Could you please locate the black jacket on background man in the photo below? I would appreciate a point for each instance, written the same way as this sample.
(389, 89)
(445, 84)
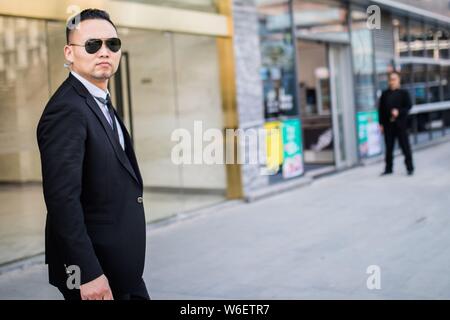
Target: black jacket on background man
(395, 128)
(398, 99)
(93, 193)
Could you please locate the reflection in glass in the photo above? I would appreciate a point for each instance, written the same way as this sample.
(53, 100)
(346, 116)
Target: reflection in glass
(406, 74)
(279, 84)
(277, 59)
(362, 47)
(199, 101)
(434, 81)
(320, 20)
(153, 113)
(23, 95)
(56, 40)
(420, 84)
(443, 43)
(431, 41)
(401, 36)
(417, 43)
(445, 81)
(314, 79)
(174, 82)
(315, 95)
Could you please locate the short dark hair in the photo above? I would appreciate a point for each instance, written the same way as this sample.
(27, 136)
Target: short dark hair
(395, 72)
(87, 14)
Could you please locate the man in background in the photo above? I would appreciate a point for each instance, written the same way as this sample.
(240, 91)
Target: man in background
(394, 106)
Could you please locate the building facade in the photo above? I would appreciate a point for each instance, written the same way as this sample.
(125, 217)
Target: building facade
(332, 59)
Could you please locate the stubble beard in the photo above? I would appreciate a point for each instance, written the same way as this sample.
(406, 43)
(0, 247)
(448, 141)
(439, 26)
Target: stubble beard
(103, 76)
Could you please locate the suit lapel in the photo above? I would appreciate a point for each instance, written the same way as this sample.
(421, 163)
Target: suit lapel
(129, 150)
(120, 154)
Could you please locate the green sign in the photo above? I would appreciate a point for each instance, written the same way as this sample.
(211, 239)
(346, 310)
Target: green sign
(292, 148)
(369, 135)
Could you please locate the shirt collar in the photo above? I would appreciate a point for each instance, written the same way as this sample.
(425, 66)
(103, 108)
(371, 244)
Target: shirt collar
(93, 89)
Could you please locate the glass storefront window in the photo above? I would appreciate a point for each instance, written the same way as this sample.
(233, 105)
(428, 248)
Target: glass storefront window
(422, 39)
(322, 20)
(434, 81)
(363, 56)
(431, 41)
(417, 39)
(23, 94)
(420, 83)
(174, 82)
(401, 37)
(323, 48)
(199, 100)
(316, 103)
(153, 112)
(279, 84)
(277, 59)
(56, 40)
(443, 43)
(314, 78)
(426, 82)
(445, 81)
(406, 73)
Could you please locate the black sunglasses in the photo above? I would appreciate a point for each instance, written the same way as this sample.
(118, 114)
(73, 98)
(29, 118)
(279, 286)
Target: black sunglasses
(93, 45)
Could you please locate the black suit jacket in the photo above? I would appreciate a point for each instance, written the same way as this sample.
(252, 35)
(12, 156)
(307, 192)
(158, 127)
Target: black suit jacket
(390, 99)
(93, 192)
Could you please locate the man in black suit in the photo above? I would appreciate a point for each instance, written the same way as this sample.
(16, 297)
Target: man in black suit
(91, 180)
(394, 106)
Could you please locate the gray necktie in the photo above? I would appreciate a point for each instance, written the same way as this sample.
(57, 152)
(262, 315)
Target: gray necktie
(108, 104)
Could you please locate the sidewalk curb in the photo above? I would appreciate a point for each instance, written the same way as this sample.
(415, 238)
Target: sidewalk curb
(22, 264)
(191, 214)
(39, 259)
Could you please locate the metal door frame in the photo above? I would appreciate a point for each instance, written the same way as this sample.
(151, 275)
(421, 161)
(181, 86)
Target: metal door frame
(339, 58)
(120, 87)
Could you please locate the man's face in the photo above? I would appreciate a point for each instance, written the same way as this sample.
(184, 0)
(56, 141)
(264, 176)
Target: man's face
(394, 81)
(100, 65)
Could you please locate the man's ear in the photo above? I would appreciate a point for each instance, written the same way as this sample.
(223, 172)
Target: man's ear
(68, 54)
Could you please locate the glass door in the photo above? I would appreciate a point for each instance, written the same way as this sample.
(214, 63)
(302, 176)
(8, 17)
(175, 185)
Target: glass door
(169, 83)
(23, 95)
(144, 94)
(120, 89)
(343, 109)
(315, 105)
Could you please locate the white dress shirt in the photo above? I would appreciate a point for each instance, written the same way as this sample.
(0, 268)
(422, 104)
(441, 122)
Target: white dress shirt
(97, 92)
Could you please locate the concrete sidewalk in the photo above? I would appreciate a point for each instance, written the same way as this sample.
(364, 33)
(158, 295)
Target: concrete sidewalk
(311, 242)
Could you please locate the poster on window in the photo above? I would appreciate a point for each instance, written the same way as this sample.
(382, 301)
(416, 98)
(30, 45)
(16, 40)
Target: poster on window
(292, 148)
(369, 135)
(274, 146)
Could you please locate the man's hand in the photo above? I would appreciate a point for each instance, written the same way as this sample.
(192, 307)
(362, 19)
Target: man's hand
(381, 128)
(394, 113)
(97, 289)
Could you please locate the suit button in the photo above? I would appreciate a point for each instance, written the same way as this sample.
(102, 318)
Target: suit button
(140, 200)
